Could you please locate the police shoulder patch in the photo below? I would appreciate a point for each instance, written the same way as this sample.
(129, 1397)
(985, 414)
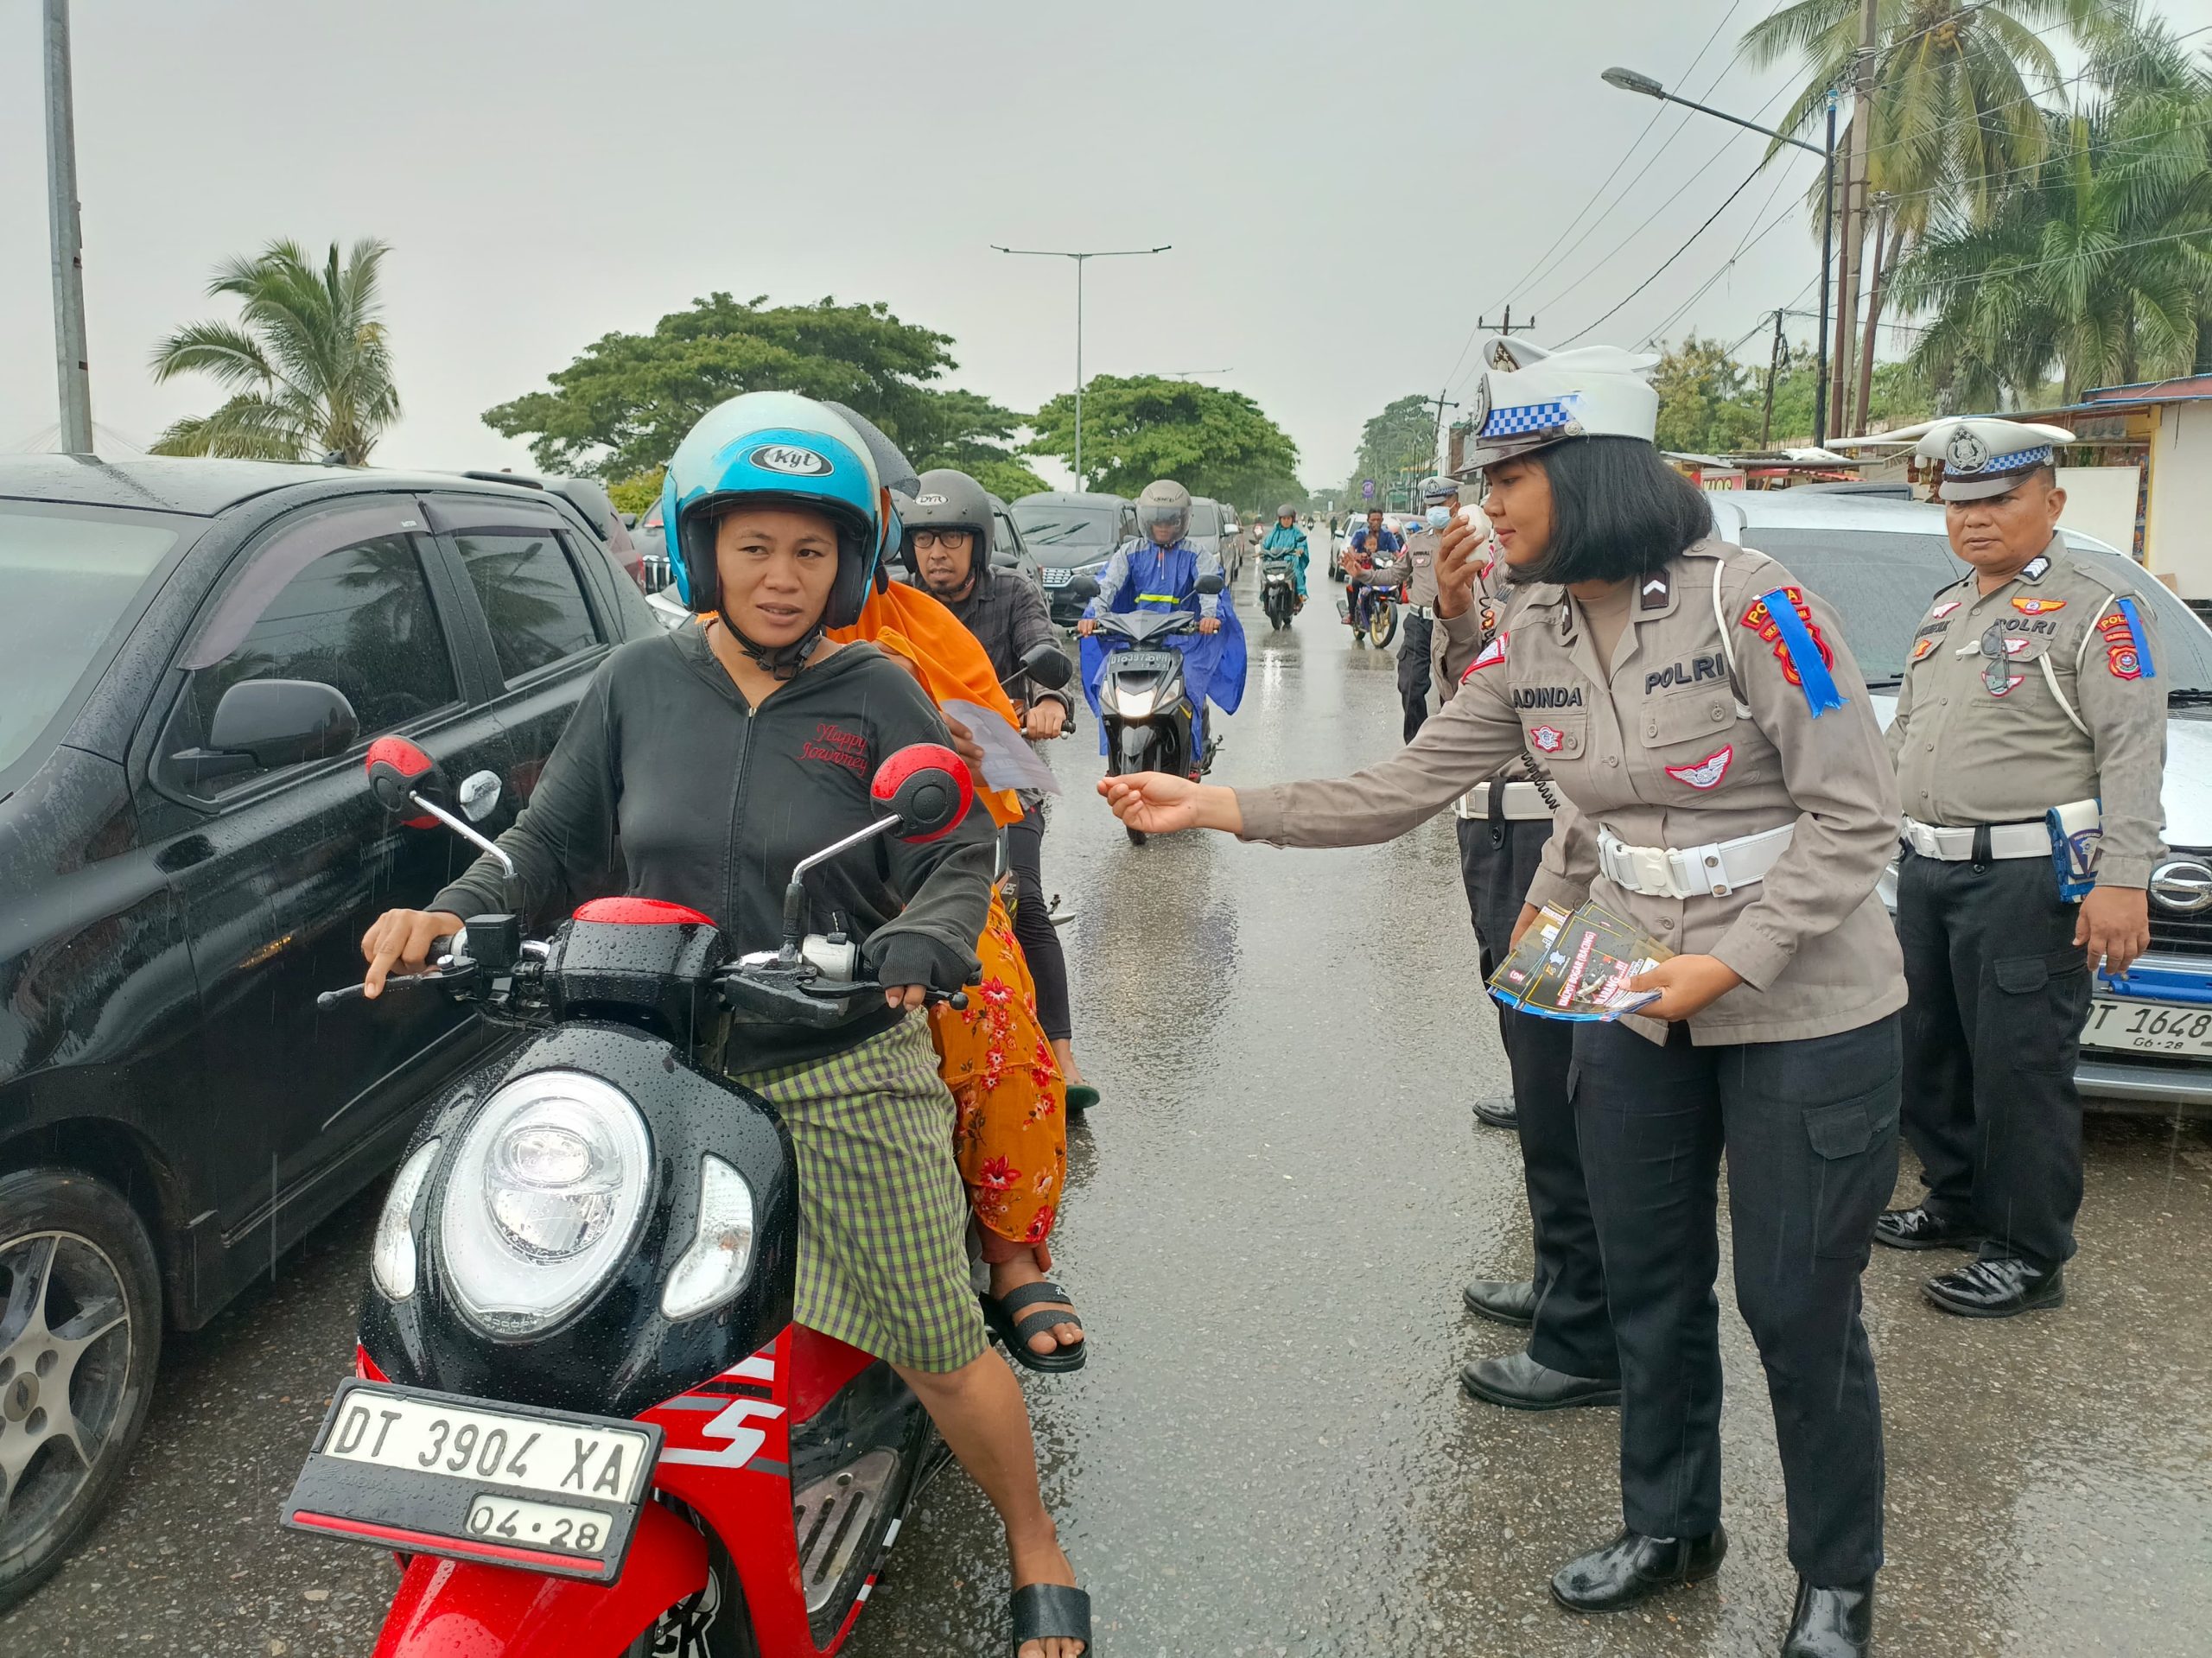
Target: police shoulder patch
(1493, 653)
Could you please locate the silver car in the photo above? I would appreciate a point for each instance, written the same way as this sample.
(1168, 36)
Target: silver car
(1878, 561)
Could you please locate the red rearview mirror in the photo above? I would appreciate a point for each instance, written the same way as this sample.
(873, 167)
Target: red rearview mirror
(927, 788)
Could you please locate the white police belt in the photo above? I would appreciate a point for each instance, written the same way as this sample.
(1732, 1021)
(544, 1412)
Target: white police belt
(1714, 869)
(1523, 803)
(1956, 845)
(1426, 613)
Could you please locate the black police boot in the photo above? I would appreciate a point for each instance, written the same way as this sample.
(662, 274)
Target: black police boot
(1503, 1301)
(1498, 1111)
(1922, 1228)
(1634, 1567)
(1998, 1289)
(1831, 1623)
(1518, 1382)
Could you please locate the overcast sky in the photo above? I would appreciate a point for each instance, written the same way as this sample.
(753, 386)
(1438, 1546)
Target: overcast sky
(1347, 187)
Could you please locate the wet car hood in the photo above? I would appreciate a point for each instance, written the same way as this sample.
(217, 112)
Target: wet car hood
(2188, 792)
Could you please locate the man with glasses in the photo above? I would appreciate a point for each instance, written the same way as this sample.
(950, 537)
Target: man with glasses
(2030, 744)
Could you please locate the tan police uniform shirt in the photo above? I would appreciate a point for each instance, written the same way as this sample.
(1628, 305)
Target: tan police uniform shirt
(1975, 742)
(1420, 568)
(1656, 746)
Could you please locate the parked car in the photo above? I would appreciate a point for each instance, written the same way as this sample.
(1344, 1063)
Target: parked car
(1072, 534)
(594, 505)
(1208, 533)
(194, 657)
(1878, 562)
(1008, 550)
(652, 549)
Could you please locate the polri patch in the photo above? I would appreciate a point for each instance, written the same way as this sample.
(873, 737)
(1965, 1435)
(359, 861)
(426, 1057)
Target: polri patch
(2038, 607)
(1763, 622)
(1550, 739)
(1708, 772)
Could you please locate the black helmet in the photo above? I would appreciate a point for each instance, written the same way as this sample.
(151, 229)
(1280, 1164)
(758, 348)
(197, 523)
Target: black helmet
(945, 499)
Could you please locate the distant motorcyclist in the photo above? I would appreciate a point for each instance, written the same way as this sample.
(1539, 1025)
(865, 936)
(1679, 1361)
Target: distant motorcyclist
(1372, 559)
(1287, 538)
(1161, 571)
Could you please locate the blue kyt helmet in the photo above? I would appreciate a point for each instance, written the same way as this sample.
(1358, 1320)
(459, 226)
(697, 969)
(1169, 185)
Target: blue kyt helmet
(776, 448)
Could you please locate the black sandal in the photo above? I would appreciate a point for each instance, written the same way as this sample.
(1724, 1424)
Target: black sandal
(1050, 1612)
(1000, 1314)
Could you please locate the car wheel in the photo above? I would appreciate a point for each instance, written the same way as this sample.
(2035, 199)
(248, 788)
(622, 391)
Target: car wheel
(80, 1334)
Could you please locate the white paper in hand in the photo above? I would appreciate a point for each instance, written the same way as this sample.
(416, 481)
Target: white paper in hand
(1008, 761)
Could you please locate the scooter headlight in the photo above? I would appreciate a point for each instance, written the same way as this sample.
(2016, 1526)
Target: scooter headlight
(391, 1260)
(1132, 704)
(545, 1194)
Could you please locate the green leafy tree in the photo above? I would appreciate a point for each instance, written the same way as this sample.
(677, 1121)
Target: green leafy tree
(307, 363)
(637, 494)
(622, 407)
(2097, 268)
(1709, 403)
(1398, 441)
(1217, 443)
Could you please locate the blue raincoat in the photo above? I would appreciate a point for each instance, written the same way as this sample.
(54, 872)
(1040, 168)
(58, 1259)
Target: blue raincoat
(1213, 663)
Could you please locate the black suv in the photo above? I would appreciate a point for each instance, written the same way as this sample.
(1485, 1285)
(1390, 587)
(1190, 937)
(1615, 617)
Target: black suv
(194, 656)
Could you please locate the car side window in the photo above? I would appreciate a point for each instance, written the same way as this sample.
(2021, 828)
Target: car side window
(1004, 540)
(531, 596)
(359, 618)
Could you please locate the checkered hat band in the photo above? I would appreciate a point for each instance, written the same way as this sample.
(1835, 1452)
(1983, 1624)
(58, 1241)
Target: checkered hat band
(2020, 460)
(1528, 418)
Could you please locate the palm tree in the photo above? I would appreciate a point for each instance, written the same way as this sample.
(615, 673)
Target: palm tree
(2097, 265)
(1954, 118)
(308, 363)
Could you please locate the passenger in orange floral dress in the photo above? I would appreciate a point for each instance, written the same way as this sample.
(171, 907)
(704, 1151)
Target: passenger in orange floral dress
(1011, 1136)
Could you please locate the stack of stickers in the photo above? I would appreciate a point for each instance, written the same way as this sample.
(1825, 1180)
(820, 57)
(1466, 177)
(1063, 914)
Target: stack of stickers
(1578, 967)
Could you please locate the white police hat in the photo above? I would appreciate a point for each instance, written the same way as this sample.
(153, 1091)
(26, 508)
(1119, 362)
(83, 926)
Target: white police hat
(1528, 398)
(1984, 457)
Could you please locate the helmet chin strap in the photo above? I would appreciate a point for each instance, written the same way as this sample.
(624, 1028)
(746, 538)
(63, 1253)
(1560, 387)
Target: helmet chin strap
(780, 661)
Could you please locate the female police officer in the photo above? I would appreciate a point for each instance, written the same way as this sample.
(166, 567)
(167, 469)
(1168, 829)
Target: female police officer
(1724, 785)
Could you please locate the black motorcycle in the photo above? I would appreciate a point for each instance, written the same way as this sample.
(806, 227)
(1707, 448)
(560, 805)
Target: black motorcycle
(1279, 588)
(1144, 698)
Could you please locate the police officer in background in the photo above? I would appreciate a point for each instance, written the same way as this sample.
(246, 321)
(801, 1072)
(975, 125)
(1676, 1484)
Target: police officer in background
(1723, 787)
(2031, 697)
(1503, 823)
(1417, 619)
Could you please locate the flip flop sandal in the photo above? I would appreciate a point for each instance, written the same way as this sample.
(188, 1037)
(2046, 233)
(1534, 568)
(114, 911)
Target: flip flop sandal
(1050, 1612)
(1082, 1096)
(1001, 1314)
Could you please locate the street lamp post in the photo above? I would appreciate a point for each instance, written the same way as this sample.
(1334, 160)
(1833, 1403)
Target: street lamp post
(69, 351)
(1630, 81)
(1098, 253)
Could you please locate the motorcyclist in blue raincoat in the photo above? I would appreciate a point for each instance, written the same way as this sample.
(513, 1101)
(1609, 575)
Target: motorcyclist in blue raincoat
(1288, 538)
(1160, 571)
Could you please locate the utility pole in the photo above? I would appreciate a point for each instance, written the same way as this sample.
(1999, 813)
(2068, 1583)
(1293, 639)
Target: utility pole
(1854, 218)
(1506, 329)
(1775, 360)
(1080, 259)
(1436, 433)
(69, 351)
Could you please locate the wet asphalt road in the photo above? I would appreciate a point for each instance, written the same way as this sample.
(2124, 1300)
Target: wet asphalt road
(1270, 1220)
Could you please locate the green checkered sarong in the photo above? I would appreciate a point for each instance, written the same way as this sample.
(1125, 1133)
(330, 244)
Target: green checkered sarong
(882, 1216)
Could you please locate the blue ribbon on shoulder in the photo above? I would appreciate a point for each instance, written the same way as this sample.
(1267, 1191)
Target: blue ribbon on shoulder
(2135, 621)
(1813, 674)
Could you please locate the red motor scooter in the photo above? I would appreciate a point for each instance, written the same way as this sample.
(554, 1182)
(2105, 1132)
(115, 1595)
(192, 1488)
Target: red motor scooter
(581, 1415)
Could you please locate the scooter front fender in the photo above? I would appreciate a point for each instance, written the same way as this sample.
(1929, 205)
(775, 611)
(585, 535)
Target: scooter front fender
(458, 1609)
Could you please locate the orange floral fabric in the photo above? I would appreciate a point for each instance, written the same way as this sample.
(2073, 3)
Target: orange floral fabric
(1010, 1134)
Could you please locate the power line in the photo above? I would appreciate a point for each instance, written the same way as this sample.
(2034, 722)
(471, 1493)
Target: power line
(1671, 257)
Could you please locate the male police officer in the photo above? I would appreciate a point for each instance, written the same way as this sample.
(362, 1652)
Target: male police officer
(1417, 625)
(2030, 742)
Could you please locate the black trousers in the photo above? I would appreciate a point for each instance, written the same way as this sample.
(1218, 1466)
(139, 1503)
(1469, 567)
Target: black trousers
(1032, 928)
(1572, 1332)
(1810, 1131)
(1993, 1033)
(1414, 634)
